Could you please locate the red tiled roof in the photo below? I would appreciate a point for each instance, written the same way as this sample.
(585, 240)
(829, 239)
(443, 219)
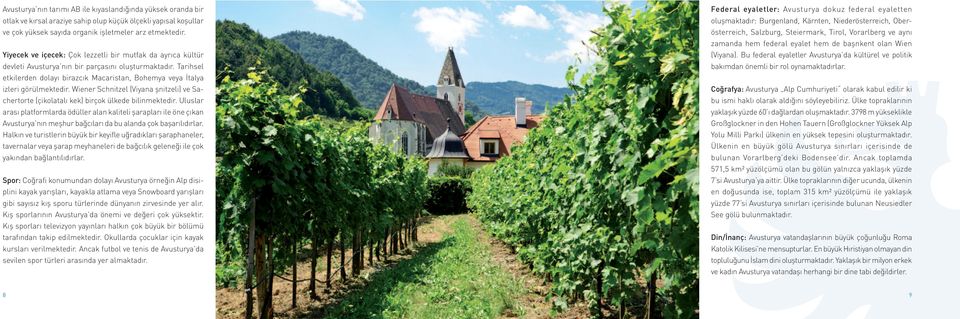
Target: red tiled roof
(489, 134)
(506, 130)
(430, 111)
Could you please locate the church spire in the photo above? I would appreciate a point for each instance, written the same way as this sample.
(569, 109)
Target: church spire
(450, 73)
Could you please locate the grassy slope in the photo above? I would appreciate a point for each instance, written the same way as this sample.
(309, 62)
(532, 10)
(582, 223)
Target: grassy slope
(453, 278)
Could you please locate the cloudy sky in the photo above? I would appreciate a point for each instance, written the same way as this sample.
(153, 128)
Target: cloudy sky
(527, 41)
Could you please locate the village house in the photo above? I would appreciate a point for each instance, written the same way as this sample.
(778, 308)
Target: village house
(492, 137)
(433, 126)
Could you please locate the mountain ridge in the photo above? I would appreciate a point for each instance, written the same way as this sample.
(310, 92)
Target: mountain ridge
(497, 98)
(239, 48)
(366, 78)
(369, 81)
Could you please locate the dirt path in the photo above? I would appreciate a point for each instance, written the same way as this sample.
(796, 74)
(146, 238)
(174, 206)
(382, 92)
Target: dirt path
(534, 302)
(231, 301)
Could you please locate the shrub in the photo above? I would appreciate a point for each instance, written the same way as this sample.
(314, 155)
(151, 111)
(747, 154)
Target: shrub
(448, 195)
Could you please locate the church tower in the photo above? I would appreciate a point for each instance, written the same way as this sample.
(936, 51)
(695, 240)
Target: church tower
(450, 85)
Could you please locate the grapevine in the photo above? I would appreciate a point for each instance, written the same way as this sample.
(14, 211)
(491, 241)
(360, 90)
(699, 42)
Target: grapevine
(602, 198)
(284, 180)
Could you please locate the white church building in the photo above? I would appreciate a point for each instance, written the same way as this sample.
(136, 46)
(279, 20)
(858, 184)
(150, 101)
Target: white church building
(410, 122)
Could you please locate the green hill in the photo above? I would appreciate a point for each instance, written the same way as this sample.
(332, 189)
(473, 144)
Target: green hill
(368, 80)
(239, 47)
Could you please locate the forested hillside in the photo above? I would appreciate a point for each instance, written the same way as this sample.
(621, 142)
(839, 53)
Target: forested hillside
(239, 47)
(368, 80)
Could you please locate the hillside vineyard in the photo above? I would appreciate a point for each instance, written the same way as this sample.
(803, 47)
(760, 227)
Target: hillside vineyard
(602, 198)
